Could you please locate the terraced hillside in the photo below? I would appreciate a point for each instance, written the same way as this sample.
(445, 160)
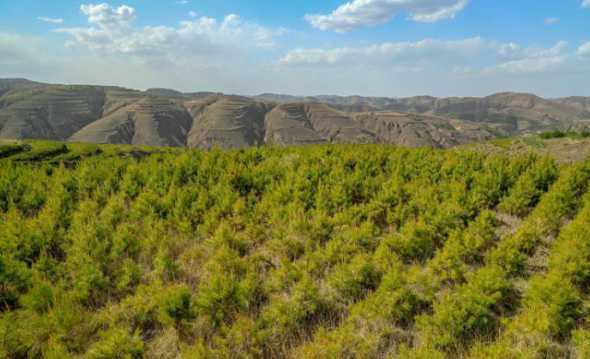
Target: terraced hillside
(345, 251)
(150, 121)
(509, 112)
(55, 113)
(156, 117)
(226, 122)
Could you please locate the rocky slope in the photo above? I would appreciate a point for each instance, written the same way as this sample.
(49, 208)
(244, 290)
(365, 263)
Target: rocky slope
(164, 117)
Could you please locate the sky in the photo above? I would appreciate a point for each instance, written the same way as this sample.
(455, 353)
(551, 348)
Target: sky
(392, 48)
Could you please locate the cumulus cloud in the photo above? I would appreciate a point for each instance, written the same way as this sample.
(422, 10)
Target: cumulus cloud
(112, 30)
(50, 20)
(106, 17)
(362, 13)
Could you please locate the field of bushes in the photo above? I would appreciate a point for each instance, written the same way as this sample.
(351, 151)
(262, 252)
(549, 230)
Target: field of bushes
(305, 252)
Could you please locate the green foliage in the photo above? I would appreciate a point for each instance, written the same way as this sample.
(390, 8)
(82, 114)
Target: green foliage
(14, 280)
(468, 312)
(561, 134)
(117, 343)
(42, 151)
(12, 149)
(528, 189)
(330, 251)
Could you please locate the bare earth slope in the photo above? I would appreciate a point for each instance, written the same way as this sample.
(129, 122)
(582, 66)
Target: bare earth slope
(150, 121)
(290, 124)
(54, 112)
(227, 122)
(165, 117)
(508, 111)
(15, 84)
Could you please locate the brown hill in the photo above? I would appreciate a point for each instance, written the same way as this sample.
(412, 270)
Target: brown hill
(167, 117)
(50, 112)
(289, 124)
(509, 112)
(15, 84)
(226, 122)
(150, 121)
(413, 130)
(581, 103)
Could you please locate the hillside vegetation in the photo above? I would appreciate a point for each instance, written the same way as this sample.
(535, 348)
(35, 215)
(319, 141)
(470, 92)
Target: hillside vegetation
(350, 251)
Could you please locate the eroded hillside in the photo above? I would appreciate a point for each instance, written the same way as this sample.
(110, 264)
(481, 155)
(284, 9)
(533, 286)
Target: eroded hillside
(163, 117)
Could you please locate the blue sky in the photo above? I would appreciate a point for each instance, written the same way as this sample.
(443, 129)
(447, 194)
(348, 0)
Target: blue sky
(368, 47)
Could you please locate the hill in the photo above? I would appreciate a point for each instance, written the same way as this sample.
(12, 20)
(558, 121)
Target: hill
(365, 251)
(98, 114)
(513, 112)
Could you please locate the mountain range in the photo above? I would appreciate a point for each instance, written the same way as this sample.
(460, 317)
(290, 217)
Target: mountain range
(165, 117)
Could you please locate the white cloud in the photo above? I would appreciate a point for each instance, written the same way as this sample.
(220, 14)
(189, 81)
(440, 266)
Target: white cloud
(50, 20)
(552, 20)
(399, 53)
(193, 14)
(476, 54)
(106, 17)
(535, 60)
(531, 65)
(233, 55)
(584, 50)
(362, 13)
(586, 3)
(112, 31)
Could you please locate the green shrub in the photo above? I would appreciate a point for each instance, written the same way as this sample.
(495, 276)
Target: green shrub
(321, 251)
(15, 279)
(353, 280)
(469, 312)
(117, 343)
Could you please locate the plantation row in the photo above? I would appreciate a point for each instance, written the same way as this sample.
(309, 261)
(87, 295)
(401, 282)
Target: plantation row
(319, 252)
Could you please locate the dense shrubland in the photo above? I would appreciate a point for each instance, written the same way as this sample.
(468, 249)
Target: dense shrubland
(342, 251)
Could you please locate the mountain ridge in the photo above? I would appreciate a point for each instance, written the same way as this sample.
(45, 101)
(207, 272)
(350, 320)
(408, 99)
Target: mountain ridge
(166, 117)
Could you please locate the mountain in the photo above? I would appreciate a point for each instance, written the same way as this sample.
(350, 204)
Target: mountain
(510, 111)
(581, 103)
(226, 121)
(50, 112)
(166, 117)
(152, 121)
(14, 84)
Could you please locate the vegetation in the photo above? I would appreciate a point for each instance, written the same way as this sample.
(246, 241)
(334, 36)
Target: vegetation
(323, 251)
(562, 134)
